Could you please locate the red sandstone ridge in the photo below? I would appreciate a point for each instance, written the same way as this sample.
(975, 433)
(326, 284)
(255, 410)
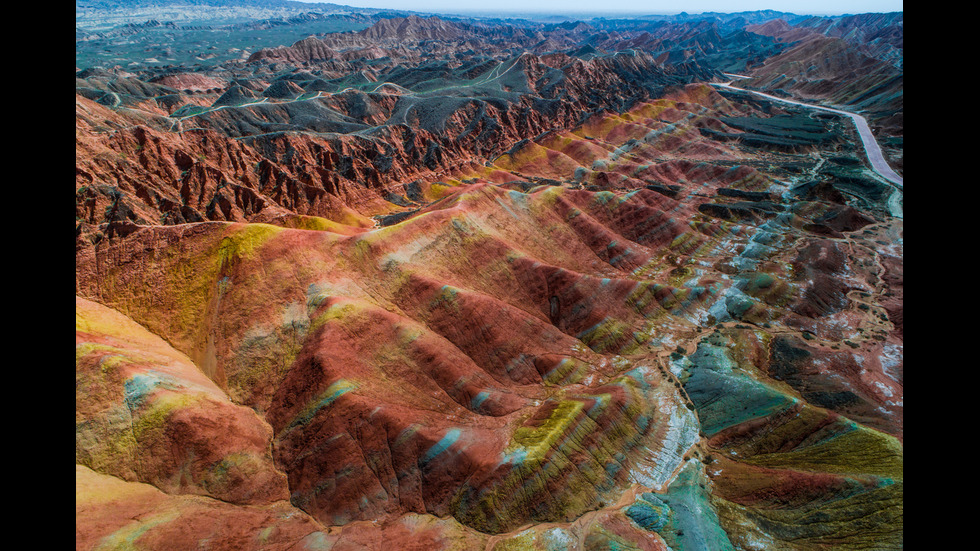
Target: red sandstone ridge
(110, 510)
(434, 365)
(821, 58)
(146, 413)
(308, 49)
(147, 174)
(412, 27)
(192, 82)
(823, 68)
(781, 31)
(370, 43)
(432, 415)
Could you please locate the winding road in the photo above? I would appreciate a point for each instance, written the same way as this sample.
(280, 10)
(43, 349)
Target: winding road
(871, 146)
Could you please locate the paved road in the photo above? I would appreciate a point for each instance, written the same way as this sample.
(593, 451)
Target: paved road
(871, 146)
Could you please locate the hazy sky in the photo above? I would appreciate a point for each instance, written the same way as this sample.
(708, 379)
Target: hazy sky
(820, 7)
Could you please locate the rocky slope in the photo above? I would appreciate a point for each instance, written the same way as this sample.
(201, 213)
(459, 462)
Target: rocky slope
(248, 158)
(494, 298)
(855, 62)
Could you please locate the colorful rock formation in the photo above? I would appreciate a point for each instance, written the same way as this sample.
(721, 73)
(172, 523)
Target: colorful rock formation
(465, 322)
